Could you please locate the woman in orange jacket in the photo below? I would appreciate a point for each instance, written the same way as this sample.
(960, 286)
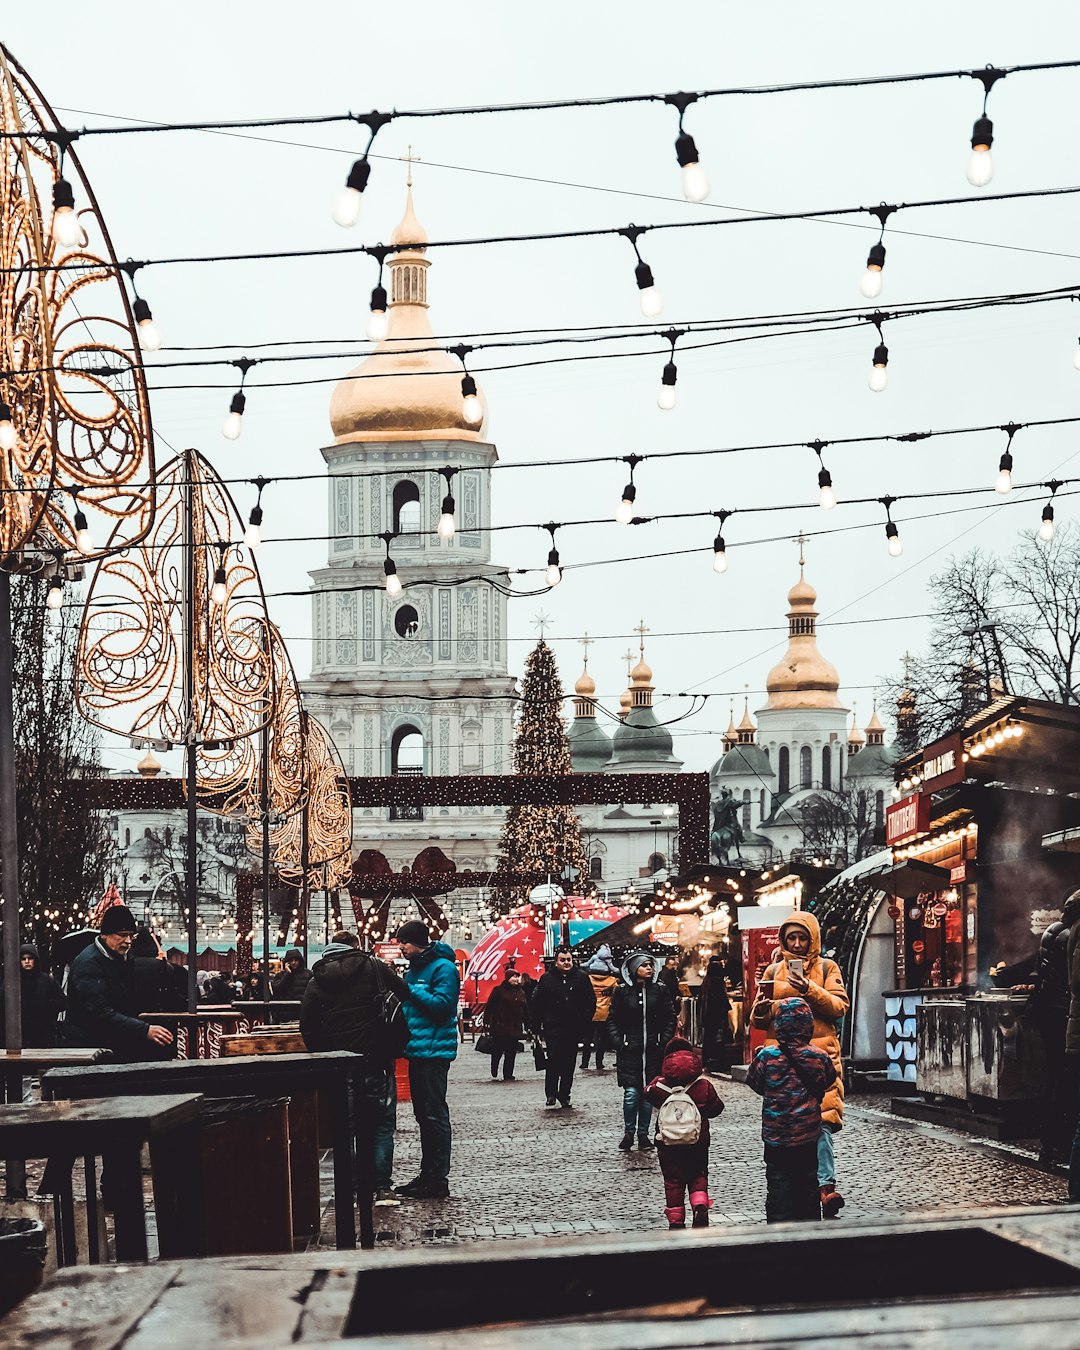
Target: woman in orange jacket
(802, 972)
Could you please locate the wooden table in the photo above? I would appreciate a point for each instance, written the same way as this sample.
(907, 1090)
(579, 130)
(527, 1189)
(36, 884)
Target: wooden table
(303, 1078)
(1001, 1279)
(114, 1130)
(13, 1068)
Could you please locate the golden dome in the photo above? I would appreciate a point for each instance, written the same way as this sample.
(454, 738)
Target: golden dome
(855, 736)
(626, 702)
(803, 678)
(875, 723)
(149, 766)
(586, 685)
(641, 675)
(406, 389)
(747, 723)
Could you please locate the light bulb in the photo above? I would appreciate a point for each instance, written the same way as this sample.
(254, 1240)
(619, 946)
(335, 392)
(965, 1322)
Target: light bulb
(393, 581)
(624, 512)
(695, 185)
(553, 575)
(892, 534)
(826, 495)
(84, 540)
(54, 598)
(445, 527)
(472, 410)
(347, 206)
(66, 229)
(719, 561)
(233, 424)
(1004, 482)
(665, 399)
(980, 168)
(218, 591)
(652, 302)
(879, 379)
(149, 337)
(1046, 529)
(378, 323)
(253, 533)
(870, 286)
(8, 435)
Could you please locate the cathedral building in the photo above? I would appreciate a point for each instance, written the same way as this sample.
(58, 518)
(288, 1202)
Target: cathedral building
(802, 784)
(412, 680)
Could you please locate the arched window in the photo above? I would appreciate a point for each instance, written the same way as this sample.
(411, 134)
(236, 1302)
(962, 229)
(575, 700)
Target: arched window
(783, 776)
(596, 868)
(806, 767)
(406, 507)
(407, 751)
(127, 838)
(406, 621)
(826, 768)
(656, 863)
(746, 809)
(879, 810)
(761, 804)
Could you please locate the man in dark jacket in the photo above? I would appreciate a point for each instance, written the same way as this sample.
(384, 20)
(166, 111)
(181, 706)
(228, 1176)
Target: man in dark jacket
(42, 1001)
(562, 1011)
(642, 1023)
(290, 982)
(341, 1011)
(1050, 1005)
(102, 1004)
(433, 987)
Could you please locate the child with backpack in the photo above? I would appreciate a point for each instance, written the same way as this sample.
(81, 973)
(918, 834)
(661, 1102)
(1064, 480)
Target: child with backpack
(791, 1077)
(686, 1102)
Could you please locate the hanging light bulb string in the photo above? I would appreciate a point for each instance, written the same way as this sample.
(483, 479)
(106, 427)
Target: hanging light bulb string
(720, 560)
(378, 321)
(651, 300)
(892, 531)
(447, 526)
(233, 424)
(875, 262)
(826, 495)
(980, 165)
(1004, 484)
(695, 184)
(347, 207)
(472, 409)
(879, 362)
(253, 533)
(1046, 528)
(665, 399)
(219, 590)
(149, 337)
(553, 575)
(624, 513)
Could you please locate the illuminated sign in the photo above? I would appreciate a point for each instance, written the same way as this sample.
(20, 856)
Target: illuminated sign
(905, 819)
(943, 764)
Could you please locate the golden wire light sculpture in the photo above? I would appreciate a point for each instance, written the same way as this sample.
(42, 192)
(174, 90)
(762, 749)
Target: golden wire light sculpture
(75, 417)
(321, 833)
(175, 647)
(286, 781)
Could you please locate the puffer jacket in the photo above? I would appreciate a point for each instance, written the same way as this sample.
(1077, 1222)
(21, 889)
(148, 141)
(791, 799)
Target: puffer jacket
(828, 1000)
(640, 1033)
(431, 1009)
(341, 1004)
(681, 1066)
(791, 1076)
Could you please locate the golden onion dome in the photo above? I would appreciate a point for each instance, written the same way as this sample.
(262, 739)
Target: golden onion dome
(407, 389)
(626, 702)
(586, 685)
(641, 675)
(802, 678)
(855, 736)
(875, 723)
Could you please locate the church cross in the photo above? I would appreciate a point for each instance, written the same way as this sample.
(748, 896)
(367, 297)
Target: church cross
(802, 540)
(641, 630)
(628, 656)
(410, 159)
(586, 641)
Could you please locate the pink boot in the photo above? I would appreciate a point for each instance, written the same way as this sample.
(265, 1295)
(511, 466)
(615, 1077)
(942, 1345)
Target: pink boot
(676, 1216)
(700, 1204)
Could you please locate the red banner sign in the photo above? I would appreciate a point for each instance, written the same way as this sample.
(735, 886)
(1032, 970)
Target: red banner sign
(905, 819)
(943, 764)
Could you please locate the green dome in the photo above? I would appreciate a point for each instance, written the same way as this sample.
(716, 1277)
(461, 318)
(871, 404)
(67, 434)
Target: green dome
(641, 738)
(874, 761)
(590, 745)
(743, 761)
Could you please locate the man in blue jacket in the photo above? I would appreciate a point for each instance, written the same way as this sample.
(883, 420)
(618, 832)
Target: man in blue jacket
(431, 1012)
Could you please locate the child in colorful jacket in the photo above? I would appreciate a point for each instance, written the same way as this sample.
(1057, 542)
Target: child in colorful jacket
(791, 1077)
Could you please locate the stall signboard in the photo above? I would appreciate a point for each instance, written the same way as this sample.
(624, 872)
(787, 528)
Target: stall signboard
(905, 819)
(958, 874)
(760, 928)
(943, 764)
(389, 952)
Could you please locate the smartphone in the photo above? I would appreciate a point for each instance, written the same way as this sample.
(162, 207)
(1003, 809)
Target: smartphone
(795, 965)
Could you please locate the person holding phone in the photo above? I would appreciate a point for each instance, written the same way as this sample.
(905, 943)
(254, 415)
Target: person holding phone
(802, 972)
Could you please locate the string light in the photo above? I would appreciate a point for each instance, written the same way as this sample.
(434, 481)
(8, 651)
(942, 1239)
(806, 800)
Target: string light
(892, 532)
(665, 399)
(393, 581)
(553, 575)
(695, 184)
(54, 597)
(720, 560)
(1046, 528)
(233, 424)
(253, 533)
(347, 207)
(445, 528)
(870, 286)
(9, 437)
(879, 366)
(149, 337)
(652, 302)
(1004, 483)
(84, 540)
(378, 324)
(826, 496)
(219, 591)
(65, 228)
(624, 512)
(980, 165)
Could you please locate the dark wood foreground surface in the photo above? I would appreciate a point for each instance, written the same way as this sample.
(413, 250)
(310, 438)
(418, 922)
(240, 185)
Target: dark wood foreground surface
(1006, 1278)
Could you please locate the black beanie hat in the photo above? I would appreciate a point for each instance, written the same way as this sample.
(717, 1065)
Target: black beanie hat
(118, 919)
(415, 932)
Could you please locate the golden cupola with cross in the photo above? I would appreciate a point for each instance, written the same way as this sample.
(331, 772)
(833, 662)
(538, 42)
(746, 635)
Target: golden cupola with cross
(802, 678)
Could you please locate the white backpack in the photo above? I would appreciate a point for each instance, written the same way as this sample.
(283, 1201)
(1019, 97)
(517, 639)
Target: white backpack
(678, 1121)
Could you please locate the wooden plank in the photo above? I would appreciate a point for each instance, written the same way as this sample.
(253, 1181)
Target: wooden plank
(325, 1313)
(87, 1126)
(263, 1043)
(202, 1304)
(86, 1308)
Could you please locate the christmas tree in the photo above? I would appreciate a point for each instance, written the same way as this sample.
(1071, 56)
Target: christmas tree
(545, 840)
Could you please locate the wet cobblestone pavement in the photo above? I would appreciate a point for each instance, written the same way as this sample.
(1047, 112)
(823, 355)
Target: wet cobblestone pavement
(521, 1169)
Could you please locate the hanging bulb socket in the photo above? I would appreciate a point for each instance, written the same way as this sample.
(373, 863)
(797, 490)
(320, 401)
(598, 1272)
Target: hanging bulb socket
(8, 435)
(554, 572)
(219, 590)
(1004, 479)
(63, 199)
(233, 424)
(694, 182)
(624, 514)
(446, 526)
(471, 409)
(981, 165)
(347, 206)
(65, 223)
(870, 286)
(1046, 529)
(719, 562)
(982, 134)
(665, 399)
(393, 581)
(826, 496)
(378, 324)
(253, 533)
(84, 541)
(54, 596)
(149, 338)
(892, 535)
(879, 372)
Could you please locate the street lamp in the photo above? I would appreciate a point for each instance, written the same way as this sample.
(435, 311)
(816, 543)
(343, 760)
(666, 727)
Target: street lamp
(656, 825)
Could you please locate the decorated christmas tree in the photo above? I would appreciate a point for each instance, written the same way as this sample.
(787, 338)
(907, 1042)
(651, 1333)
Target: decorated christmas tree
(541, 840)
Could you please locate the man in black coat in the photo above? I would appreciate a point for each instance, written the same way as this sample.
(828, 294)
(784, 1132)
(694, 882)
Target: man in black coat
(562, 1010)
(103, 1009)
(42, 1001)
(341, 1011)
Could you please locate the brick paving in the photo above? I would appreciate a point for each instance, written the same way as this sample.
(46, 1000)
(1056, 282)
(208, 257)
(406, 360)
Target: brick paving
(521, 1169)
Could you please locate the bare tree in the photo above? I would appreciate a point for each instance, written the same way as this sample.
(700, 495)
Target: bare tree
(840, 826)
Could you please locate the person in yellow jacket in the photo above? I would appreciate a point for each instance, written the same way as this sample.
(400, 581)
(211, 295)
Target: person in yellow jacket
(802, 972)
(601, 972)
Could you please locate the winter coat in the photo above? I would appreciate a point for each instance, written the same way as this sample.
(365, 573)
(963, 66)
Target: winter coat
(563, 1005)
(291, 984)
(156, 986)
(604, 987)
(715, 1009)
(670, 980)
(1072, 1030)
(791, 1076)
(642, 1022)
(682, 1065)
(505, 1014)
(1052, 997)
(828, 1002)
(341, 1004)
(42, 1001)
(431, 1008)
(102, 1007)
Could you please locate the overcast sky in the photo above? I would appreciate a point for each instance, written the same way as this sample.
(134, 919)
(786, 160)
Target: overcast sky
(205, 193)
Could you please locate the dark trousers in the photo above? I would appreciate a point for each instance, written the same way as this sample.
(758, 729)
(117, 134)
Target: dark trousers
(599, 1040)
(376, 1120)
(504, 1048)
(791, 1178)
(427, 1083)
(561, 1062)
